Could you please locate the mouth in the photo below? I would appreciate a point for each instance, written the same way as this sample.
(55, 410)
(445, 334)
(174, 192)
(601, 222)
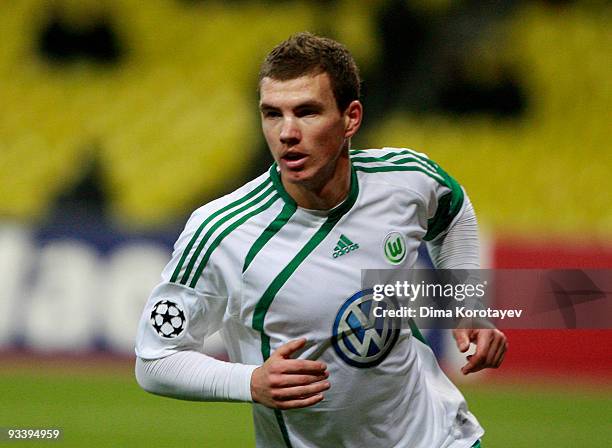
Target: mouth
(294, 160)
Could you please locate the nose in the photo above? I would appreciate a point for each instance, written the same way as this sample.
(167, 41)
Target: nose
(290, 132)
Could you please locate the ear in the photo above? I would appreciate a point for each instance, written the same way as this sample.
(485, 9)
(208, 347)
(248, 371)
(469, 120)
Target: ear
(352, 118)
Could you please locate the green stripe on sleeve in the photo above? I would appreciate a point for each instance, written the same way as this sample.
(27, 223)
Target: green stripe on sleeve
(412, 157)
(226, 232)
(382, 169)
(445, 213)
(218, 224)
(195, 236)
(449, 204)
(389, 155)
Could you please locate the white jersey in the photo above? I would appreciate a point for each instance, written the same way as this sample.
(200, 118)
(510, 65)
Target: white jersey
(263, 271)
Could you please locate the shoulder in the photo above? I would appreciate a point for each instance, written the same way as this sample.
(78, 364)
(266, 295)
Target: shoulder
(213, 224)
(414, 175)
(401, 167)
(207, 222)
(253, 192)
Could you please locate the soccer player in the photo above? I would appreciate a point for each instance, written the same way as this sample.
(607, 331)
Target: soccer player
(276, 266)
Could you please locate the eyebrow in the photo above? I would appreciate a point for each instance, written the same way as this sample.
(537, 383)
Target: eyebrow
(263, 107)
(306, 104)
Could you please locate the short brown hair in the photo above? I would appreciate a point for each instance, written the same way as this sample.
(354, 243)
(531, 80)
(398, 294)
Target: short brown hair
(306, 54)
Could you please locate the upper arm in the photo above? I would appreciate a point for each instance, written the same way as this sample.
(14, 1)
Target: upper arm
(445, 202)
(178, 314)
(176, 318)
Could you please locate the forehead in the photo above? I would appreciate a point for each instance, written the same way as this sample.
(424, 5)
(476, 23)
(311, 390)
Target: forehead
(292, 92)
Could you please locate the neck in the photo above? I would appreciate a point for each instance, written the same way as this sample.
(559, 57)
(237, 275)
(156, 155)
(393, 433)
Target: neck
(325, 192)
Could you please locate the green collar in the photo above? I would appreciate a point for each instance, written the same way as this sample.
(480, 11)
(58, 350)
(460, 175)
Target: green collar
(337, 212)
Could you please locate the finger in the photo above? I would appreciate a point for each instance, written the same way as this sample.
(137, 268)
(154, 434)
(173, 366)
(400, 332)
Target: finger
(286, 350)
(493, 351)
(467, 368)
(473, 365)
(462, 339)
(300, 392)
(300, 380)
(301, 403)
(476, 361)
(302, 366)
(500, 360)
(499, 356)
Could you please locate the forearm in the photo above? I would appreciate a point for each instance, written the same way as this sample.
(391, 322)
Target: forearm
(191, 375)
(459, 248)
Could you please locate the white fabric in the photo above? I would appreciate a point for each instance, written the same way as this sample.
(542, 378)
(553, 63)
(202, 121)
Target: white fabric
(459, 248)
(191, 375)
(295, 287)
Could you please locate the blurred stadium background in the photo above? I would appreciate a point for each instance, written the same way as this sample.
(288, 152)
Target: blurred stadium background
(120, 117)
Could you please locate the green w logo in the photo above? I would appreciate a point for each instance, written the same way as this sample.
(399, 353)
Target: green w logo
(344, 246)
(395, 248)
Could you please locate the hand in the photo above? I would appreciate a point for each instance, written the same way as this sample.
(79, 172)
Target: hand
(491, 345)
(285, 383)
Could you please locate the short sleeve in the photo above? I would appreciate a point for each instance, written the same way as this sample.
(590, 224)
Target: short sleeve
(445, 203)
(178, 316)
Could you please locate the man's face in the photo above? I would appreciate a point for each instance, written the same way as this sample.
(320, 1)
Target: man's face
(304, 129)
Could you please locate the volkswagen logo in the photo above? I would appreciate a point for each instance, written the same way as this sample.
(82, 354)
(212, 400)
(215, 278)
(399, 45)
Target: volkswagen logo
(360, 338)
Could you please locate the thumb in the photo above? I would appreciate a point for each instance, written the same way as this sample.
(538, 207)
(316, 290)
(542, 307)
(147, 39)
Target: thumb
(462, 339)
(286, 350)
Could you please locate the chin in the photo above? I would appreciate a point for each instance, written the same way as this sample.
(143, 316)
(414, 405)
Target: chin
(296, 176)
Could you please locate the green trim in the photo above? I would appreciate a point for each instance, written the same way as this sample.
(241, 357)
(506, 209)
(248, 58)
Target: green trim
(278, 184)
(445, 214)
(335, 213)
(216, 225)
(265, 346)
(447, 180)
(348, 203)
(416, 332)
(264, 303)
(268, 296)
(272, 229)
(392, 154)
(193, 240)
(382, 169)
(476, 444)
(411, 158)
(229, 229)
(449, 204)
(283, 428)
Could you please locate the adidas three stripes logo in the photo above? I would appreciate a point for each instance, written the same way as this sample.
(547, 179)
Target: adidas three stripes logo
(344, 246)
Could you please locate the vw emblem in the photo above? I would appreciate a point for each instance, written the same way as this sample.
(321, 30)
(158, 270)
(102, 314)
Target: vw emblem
(360, 338)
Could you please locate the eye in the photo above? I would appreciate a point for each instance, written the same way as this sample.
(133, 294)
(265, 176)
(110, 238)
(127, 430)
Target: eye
(270, 113)
(307, 111)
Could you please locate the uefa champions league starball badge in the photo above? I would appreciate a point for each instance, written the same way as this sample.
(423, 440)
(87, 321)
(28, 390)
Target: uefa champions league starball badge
(168, 319)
